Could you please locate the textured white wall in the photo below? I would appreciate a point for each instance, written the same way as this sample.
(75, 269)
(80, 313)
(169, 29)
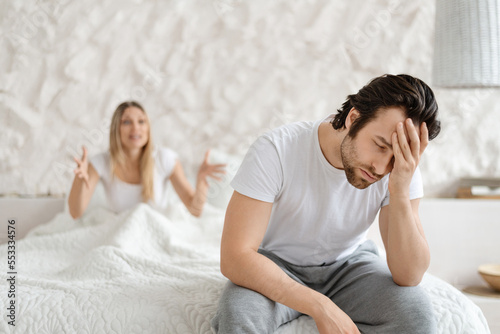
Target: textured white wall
(214, 74)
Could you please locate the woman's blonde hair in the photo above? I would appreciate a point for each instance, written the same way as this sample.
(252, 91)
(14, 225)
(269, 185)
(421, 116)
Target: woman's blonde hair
(118, 156)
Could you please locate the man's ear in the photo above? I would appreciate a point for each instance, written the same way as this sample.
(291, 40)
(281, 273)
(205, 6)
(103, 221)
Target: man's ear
(351, 117)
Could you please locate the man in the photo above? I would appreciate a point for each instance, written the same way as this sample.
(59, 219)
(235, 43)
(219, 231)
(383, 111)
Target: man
(294, 239)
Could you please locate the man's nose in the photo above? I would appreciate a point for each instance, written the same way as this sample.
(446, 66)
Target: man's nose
(382, 164)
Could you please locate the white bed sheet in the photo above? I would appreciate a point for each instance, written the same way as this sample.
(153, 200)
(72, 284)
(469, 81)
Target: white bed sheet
(141, 272)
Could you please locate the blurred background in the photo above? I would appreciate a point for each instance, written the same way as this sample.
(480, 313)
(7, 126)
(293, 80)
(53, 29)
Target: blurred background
(215, 74)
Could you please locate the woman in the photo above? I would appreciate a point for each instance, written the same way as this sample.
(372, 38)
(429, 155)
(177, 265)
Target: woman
(133, 172)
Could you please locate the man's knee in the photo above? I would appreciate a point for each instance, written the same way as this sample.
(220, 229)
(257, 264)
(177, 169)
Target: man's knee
(242, 310)
(411, 310)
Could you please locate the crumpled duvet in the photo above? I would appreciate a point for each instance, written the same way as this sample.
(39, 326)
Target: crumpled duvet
(141, 272)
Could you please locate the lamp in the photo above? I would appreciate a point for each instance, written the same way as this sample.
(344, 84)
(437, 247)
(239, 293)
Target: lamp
(467, 43)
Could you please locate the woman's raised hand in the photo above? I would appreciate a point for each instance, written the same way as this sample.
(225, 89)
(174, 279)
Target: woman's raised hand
(210, 170)
(82, 170)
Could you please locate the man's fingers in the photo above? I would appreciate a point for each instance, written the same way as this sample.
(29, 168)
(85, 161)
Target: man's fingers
(395, 147)
(424, 137)
(414, 139)
(403, 141)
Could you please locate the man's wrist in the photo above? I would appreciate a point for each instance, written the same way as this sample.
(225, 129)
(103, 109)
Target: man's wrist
(399, 189)
(318, 306)
(400, 195)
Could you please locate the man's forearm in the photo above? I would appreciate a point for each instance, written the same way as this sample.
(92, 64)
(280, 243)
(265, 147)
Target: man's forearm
(256, 272)
(407, 250)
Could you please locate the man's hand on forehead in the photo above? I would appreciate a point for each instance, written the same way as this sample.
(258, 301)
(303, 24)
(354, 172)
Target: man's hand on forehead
(409, 143)
(416, 137)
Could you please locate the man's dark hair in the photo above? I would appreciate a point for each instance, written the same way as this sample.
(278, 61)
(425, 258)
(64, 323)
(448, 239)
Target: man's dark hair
(412, 95)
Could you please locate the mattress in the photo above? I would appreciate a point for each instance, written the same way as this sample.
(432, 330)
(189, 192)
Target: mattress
(141, 272)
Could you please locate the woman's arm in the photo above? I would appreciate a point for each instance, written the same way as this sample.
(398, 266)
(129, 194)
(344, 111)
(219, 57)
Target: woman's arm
(86, 178)
(194, 200)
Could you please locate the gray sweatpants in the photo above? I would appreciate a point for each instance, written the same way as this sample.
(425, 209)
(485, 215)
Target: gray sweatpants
(361, 285)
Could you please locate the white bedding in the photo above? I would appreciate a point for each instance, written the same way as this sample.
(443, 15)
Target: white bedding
(140, 272)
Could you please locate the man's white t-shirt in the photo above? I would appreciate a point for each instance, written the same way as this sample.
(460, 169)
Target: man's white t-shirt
(121, 195)
(318, 217)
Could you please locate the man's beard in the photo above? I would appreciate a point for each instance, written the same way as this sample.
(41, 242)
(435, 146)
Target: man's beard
(350, 160)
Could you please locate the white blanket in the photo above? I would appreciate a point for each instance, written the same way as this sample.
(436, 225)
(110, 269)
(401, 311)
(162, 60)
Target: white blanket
(140, 272)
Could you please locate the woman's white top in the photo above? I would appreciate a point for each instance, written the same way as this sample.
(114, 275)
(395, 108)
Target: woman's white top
(122, 195)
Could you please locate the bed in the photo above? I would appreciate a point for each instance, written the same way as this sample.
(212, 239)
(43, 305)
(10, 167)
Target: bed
(146, 271)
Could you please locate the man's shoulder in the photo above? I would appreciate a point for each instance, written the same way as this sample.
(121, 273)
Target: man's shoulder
(291, 132)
